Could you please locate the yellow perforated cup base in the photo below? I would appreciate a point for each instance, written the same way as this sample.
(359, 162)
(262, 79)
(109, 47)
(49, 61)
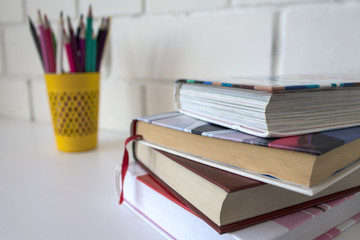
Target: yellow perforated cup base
(74, 100)
(76, 144)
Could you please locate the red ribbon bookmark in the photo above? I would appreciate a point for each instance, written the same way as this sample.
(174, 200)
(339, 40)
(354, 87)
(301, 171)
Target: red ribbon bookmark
(125, 165)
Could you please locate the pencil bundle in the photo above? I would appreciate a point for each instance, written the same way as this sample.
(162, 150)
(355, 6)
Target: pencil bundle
(84, 49)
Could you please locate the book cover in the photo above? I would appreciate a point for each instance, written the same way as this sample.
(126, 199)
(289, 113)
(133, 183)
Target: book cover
(232, 183)
(290, 162)
(171, 219)
(336, 231)
(284, 83)
(176, 222)
(301, 224)
(273, 107)
(229, 182)
(316, 143)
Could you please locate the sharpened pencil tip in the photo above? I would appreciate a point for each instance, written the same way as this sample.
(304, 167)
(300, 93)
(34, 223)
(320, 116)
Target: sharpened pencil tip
(46, 21)
(90, 11)
(69, 22)
(39, 16)
(80, 20)
(30, 21)
(61, 19)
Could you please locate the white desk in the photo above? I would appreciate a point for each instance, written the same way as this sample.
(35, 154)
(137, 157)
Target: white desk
(48, 194)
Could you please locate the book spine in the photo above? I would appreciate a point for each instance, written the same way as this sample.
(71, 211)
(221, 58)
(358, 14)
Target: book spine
(133, 127)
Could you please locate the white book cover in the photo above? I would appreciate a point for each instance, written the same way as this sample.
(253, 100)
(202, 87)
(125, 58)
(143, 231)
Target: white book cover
(175, 222)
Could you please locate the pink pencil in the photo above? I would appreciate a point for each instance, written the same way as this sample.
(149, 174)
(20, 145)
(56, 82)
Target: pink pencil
(69, 53)
(49, 45)
(43, 43)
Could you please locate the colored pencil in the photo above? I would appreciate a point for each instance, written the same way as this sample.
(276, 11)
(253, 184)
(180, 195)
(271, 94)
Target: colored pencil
(74, 46)
(82, 47)
(43, 42)
(79, 28)
(100, 39)
(101, 28)
(53, 40)
(88, 41)
(59, 47)
(102, 42)
(36, 39)
(69, 52)
(49, 45)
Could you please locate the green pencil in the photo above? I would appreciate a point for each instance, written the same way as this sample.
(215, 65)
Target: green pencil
(88, 47)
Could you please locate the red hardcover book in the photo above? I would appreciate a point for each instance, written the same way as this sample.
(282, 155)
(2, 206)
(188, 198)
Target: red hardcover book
(163, 211)
(227, 201)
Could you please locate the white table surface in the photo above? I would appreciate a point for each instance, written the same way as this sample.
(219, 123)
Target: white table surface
(48, 194)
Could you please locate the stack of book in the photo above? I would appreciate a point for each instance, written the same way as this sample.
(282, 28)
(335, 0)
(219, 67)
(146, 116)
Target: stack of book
(249, 159)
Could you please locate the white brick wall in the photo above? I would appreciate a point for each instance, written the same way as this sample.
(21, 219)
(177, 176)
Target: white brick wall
(11, 11)
(1, 54)
(321, 40)
(274, 2)
(20, 52)
(111, 7)
(39, 99)
(119, 104)
(14, 98)
(159, 98)
(51, 8)
(154, 42)
(198, 47)
(165, 6)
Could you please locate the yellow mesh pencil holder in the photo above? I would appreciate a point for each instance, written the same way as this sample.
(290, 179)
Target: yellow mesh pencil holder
(74, 101)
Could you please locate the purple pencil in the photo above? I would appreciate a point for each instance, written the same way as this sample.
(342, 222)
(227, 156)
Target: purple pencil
(100, 39)
(74, 46)
(101, 43)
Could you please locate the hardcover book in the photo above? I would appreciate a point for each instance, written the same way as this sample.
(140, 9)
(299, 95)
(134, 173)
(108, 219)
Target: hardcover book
(155, 205)
(336, 231)
(227, 201)
(273, 107)
(307, 163)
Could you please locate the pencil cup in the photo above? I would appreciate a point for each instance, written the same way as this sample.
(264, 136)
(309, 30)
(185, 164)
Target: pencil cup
(74, 100)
